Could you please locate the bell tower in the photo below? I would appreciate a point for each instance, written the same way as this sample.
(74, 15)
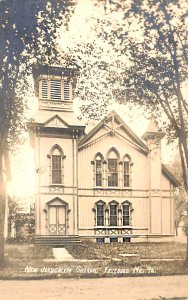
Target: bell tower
(54, 87)
(54, 135)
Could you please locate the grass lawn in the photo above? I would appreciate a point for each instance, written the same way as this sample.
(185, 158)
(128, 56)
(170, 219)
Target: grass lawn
(27, 261)
(145, 250)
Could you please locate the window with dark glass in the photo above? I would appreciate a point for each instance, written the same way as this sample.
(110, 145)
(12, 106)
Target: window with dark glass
(126, 173)
(126, 214)
(56, 169)
(98, 166)
(100, 214)
(113, 215)
(112, 172)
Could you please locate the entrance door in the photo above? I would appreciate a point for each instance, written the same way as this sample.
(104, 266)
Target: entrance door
(57, 220)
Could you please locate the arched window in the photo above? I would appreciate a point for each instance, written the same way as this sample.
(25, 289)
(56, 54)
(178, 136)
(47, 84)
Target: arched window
(112, 161)
(100, 213)
(126, 213)
(56, 166)
(113, 210)
(126, 171)
(98, 170)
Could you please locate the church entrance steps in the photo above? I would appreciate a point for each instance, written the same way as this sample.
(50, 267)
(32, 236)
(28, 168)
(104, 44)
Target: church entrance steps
(57, 240)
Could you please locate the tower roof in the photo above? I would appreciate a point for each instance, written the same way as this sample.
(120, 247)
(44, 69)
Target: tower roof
(153, 131)
(152, 126)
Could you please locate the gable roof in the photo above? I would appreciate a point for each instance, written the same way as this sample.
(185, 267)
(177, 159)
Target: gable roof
(133, 138)
(170, 176)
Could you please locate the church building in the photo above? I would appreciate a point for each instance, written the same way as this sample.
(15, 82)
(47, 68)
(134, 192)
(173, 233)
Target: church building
(108, 185)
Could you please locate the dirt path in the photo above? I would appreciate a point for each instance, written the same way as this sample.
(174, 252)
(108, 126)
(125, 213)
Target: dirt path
(138, 288)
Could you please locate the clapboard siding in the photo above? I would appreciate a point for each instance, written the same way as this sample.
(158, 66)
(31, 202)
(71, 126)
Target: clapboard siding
(46, 145)
(139, 170)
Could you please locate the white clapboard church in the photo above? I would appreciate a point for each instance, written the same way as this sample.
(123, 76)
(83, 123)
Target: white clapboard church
(108, 185)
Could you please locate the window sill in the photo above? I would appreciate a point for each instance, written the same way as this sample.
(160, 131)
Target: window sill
(56, 184)
(112, 188)
(112, 227)
(62, 100)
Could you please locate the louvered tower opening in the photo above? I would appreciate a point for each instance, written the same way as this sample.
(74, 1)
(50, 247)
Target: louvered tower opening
(55, 90)
(66, 90)
(44, 89)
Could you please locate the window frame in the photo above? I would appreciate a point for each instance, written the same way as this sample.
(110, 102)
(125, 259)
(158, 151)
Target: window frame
(112, 175)
(114, 216)
(56, 148)
(47, 89)
(98, 170)
(125, 216)
(56, 169)
(113, 169)
(99, 217)
(127, 164)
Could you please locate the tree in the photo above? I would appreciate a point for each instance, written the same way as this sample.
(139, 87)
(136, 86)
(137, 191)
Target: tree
(28, 32)
(140, 49)
(97, 39)
(180, 209)
(134, 52)
(87, 39)
(180, 194)
(160, 68)
(22, 222)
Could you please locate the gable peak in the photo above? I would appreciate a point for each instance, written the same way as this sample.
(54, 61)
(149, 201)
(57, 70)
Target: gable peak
(56, 121)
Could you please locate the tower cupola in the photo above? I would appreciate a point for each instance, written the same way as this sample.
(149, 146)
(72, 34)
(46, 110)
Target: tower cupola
(54, 87)
(153, 132)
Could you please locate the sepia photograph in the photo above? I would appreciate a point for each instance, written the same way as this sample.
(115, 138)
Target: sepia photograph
(94, 149)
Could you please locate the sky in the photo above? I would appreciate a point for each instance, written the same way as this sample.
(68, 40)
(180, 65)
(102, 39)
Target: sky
(23, 168)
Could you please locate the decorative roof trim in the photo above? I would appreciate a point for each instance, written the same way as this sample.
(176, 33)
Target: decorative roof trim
(132, 135)
(58, 118)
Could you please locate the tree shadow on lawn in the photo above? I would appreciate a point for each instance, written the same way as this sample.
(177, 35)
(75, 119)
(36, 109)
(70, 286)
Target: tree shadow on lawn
(18, 256)
(24, 253)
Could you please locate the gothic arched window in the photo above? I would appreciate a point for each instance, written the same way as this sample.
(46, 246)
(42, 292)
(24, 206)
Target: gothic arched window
(98, 170)
(100, 213)
(126, 171)
(56, 166)
(113, 210)
(112, 160)
(126, 213)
